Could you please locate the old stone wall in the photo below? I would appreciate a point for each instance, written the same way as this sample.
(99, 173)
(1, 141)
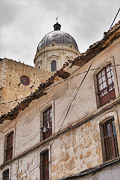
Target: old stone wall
(12, 90)
(0, 77)
(0, 71)
(112, 172)
(79, 149)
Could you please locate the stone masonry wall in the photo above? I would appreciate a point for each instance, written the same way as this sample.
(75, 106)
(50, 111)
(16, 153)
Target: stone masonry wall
(12, 90)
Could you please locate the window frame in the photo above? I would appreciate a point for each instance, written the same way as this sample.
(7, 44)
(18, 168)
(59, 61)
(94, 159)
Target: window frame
(109, 139)
(53, 69)
(107, 61)
(110, 95)
(42, 110)
(7, 169)
(5, 144)
(42, 156)
(47, 117)
(103, 119)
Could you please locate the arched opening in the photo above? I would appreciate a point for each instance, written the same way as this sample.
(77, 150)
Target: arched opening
(39, 66)
(5, 175)
(53, 66)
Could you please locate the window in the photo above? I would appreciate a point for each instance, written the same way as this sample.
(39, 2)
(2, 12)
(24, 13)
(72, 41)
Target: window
(25, 80)
(109, 140)
(47, 123)
(106, 89)
(53, 66)
(39, 67)
(9, 147)
(44, 165)
(6, 175)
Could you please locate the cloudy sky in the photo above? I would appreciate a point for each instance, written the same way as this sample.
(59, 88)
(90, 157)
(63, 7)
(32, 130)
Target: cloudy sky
(23, 23)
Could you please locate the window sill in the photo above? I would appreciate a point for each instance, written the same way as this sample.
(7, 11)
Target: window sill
(107, 105)
(94, 169)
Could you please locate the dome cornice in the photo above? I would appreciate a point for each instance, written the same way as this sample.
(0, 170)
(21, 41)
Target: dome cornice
(56, 47)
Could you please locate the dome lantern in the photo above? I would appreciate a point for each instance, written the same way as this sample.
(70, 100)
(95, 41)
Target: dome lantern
(57, 27)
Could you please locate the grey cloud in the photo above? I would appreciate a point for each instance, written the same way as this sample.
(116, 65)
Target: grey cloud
(10, 11)
(27, 21)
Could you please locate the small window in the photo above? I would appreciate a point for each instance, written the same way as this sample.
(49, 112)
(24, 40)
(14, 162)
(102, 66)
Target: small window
(53, 66)
(47, 123)
(9, 147)
(39, 67)
(109, 140)
(44, 165)
(25, 80)
(106, 89)
(6, 175)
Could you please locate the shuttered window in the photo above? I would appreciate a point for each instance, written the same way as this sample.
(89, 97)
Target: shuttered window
(106, 89)
(109, 140)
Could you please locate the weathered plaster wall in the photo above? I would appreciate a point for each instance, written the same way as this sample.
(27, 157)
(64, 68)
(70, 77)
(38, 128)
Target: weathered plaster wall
(112, 172)
(23, 167)
(27, 130)
(86, 100)
(74, 151)
(62, 94)
(78, 149)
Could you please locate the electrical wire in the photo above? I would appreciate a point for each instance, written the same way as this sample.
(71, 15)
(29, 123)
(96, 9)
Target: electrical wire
(93, 69)
(115, 18)
(66, 112)
(73, 99)
(39, 164)
(70, 104)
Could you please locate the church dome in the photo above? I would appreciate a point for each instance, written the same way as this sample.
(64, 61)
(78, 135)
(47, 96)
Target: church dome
(57, 37)
(56, 48)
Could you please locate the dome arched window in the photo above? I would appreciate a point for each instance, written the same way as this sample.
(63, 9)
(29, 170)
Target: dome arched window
(53, 66)
(39, 67)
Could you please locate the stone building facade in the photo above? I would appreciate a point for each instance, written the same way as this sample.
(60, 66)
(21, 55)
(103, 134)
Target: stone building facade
(69, 128)
(12, 82)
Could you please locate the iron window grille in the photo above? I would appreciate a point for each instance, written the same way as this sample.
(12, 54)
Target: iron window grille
(9, 147)
(6, 175)
(47, 123)
(109, 140)
(106, 89)
(44, 165)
